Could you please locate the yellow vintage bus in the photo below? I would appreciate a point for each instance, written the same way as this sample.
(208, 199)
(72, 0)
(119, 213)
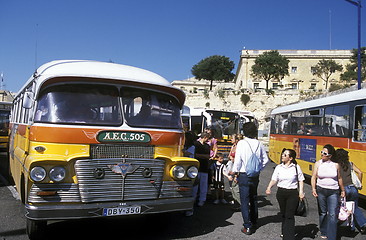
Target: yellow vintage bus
(306, 127)
(222, 123)
(93, 139)
(5, 108)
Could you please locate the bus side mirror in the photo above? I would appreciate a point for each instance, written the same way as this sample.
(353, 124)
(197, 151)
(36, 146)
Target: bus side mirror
(28, 100)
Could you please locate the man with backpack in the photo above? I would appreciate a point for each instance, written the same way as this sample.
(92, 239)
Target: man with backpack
(250, 159)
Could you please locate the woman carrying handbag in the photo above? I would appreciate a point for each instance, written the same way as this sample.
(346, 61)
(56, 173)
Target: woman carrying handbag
(288, 176)
(346, 168)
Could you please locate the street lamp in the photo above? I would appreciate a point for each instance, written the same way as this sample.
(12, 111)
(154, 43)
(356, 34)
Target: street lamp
(358, 5)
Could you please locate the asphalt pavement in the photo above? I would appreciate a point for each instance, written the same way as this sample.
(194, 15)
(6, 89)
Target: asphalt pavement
(208, 222)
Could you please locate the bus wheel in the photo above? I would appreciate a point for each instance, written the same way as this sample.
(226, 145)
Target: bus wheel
(36, 229)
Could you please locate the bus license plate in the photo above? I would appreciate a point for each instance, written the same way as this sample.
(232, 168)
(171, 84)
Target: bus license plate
(121, 211)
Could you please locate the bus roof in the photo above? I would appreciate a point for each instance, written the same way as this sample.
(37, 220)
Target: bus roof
(199, 111)
(335, 99)
(104, 70)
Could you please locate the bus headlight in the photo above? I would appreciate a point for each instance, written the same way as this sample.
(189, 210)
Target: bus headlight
(178, 172)
(38, 174)
(57, 174)
(192, 172)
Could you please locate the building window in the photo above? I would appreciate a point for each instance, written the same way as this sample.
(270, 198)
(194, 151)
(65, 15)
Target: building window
(294, 85)
(275, 85)
(312, 69)
(313, 86)
(293, 69)
(256, 85)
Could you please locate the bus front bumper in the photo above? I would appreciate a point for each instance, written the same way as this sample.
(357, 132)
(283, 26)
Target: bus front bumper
(93, 210)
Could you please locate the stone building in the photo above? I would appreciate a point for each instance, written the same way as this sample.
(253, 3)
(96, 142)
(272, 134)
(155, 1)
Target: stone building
(6, 96)
(288, 90)
(300, 69)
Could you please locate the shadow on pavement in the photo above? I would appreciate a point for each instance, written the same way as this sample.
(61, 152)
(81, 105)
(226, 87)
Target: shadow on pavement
(162, 226)
(306, 231)
(15, 232)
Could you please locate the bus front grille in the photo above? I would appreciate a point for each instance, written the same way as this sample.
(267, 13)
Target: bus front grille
(120, 179)
(121, 151)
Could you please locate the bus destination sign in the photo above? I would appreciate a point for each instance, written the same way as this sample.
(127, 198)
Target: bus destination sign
(122, 137)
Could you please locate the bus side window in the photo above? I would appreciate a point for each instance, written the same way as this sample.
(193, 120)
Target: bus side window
(298, 123)
(273, 125)
(283, 124)
(314, 122)
(359, 132)
(337, 121)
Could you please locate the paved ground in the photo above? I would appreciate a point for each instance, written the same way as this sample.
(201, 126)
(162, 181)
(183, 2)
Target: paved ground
(209, 222)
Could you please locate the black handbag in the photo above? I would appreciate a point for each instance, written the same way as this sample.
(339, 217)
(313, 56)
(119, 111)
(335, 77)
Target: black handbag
(302, 208)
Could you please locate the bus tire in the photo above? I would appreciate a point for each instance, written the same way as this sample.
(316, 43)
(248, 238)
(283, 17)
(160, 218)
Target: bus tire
(36, 229)
(22, 189)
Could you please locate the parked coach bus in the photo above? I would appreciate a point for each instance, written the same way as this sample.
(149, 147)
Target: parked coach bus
(92, 139)
(339, 120)
(5, 108)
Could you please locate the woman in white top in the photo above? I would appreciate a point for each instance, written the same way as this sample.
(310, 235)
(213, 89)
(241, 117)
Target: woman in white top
(327, 183)
(287, 177)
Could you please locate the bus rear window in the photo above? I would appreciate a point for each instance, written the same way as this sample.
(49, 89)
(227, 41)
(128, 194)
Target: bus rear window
(4, 122)
(79, 104)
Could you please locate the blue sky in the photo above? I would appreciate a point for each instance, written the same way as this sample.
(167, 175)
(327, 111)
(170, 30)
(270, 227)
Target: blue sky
(165, 36)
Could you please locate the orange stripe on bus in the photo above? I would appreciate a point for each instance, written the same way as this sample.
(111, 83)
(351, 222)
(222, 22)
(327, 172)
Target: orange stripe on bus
(88, 136)
(337, 142)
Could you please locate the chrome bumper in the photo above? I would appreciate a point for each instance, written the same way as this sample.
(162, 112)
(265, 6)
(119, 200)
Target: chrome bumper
(92, 210)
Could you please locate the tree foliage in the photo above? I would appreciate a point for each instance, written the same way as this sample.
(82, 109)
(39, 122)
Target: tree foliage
(244, 98)
(270, 65)
(351, 69)
(325, 68)
(214, 68)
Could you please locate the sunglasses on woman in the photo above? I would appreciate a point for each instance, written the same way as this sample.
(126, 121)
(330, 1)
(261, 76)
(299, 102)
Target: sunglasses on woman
(325, 153)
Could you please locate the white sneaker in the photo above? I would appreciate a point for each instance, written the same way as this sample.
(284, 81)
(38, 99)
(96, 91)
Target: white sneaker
(217, 201)
(200, 203)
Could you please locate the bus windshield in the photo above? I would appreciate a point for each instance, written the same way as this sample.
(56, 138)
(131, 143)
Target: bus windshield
(79, 104)
(100, 105)
(223, 123)
(144, 108)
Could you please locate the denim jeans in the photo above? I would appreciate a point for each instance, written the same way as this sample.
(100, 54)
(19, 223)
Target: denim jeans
(202, 187)
(248, 196)
(352, 195)
(328, 206)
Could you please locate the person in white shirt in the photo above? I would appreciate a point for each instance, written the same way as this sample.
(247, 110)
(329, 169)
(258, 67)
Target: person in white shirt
(248, 186)
(288, 176)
